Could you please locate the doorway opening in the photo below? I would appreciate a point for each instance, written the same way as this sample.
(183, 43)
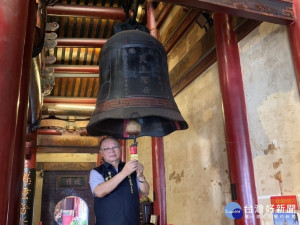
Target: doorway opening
(71, 210)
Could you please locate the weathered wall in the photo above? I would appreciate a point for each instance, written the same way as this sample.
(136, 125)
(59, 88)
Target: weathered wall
(197, 178)
(195, 159)
(273, 108)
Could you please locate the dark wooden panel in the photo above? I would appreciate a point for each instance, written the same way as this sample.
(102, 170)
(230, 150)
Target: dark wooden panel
(68, 149)
(51, 195)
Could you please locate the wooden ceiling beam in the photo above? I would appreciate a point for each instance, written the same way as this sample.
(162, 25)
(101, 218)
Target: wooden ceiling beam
(61, 111)
(64, 149)
(67, 141)
(75, 75)
(184, 25)
(202, 56)
(273, 11)
(69, 100)
(87, 11)
(80, 42)
(60, 68)
(162, 15)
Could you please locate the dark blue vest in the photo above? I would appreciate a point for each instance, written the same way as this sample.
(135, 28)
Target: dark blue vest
(122, 205)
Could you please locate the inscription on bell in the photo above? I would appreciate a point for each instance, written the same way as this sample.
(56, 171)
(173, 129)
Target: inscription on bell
(134, 71)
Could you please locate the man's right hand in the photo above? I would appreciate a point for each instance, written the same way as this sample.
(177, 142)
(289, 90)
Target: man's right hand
(130, 167)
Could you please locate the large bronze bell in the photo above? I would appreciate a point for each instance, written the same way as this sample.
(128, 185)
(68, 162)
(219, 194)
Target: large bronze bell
(134, 84)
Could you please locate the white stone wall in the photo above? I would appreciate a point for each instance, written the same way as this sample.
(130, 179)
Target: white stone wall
(273, 108)
(196, 161)
(197, 177)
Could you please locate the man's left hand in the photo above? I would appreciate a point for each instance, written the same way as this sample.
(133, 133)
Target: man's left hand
(140, 171)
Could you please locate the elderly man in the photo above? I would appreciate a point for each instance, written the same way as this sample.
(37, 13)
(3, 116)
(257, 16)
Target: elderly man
(116, 187)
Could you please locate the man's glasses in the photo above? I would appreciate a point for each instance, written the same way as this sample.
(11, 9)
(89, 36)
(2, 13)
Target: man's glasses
(115, 148)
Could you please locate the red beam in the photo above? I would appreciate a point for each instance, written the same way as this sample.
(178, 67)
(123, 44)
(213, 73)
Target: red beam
(80, 42)
(294, 34)
(274, 11)
(75, 69)
(86, 11)
(48, 132)
(235, 116)
(70, 100)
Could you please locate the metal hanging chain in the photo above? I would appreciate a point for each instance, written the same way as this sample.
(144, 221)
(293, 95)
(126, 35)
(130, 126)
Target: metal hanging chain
(134, 7)
(126, 4)
(130, 23)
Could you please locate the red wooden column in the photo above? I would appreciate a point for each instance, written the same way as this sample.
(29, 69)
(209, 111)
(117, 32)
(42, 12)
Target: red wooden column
(159, 181)
(29, 177)
(235, 116)
(13, 23)
(19, 149)
(158, 158)
(99, 159)
(123, 150)
(294, 34)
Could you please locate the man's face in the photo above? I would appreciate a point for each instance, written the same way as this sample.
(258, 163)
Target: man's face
(110, 150)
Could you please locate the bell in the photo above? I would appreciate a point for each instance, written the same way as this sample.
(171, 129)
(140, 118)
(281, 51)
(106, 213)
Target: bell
(134, 85)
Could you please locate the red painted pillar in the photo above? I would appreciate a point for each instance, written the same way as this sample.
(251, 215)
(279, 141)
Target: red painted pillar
(19, 149)
(159, 182)
(294, 34)
(158, 158)
(99, 159)
(13, 23)
(123, 150)
(235, 116)
(29, 177)
(151, 23)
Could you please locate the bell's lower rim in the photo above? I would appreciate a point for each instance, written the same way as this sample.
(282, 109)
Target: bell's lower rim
(155, 122)
(136, 113)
